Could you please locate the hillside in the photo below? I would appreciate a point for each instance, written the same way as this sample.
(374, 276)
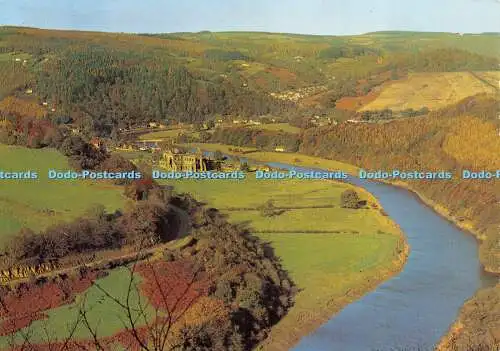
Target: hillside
(432, 90)
(40, 203)
(106, 81)
(296, 94)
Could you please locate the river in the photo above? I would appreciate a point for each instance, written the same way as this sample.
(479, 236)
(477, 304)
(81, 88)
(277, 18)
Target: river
(413, 310)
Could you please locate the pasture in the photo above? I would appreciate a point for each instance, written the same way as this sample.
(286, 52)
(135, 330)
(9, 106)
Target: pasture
(164, 134)
(432, 90)
(40, 203)
(297, 159)
(355, 251)
(278, 127)
(12, 75)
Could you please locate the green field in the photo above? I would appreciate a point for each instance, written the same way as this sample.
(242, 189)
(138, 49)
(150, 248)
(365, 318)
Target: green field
(102, 312)
(282, 157)
(164, 134)
(358, 250)
(278, 127)
(432, 90)
(40, 203)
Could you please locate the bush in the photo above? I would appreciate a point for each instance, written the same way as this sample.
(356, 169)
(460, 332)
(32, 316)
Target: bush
(350, 199)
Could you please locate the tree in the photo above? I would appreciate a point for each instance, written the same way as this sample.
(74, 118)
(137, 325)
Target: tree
(350, 199)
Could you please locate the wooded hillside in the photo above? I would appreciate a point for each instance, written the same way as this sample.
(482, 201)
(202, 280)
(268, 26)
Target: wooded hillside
(107, 82)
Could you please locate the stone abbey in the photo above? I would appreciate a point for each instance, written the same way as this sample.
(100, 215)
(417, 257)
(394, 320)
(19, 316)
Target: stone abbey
(185, 162)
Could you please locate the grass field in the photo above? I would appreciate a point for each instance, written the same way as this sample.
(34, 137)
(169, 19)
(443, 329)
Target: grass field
(330, 269)
(281, 157)
(12, 56)
(278, 127)
(42, 202)
(102, 312)
(164, 134)
(432, 90)
(492, 78)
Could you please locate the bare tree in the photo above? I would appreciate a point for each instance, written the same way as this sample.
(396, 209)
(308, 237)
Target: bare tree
(149, 327)
(158, 334)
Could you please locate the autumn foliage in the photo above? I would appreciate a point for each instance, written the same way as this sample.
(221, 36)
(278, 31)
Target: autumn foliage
(28, 301)
(25, 107)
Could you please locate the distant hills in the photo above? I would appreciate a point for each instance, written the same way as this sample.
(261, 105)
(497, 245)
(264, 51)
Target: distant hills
(114, 80)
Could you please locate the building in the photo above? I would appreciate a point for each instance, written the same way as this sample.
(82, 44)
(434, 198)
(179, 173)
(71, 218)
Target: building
(184, 162)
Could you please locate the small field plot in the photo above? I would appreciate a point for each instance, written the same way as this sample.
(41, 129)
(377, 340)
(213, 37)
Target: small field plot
(278, 127)
(12, 75)
(432, 90)
(164, 134)
(492, 78)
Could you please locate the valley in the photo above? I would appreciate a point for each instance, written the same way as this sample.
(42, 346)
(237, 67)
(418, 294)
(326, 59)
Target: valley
(248, 264)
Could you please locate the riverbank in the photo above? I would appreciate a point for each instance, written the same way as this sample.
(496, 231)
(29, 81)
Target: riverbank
(364, 249)
(465, 226)
(289, 331)
(446, 342)
(306, 318)
(466, 334)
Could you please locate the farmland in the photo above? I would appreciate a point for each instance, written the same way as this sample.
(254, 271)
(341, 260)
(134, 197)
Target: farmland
(277, 127)
(165, 134)
(432, 90)
(356, 249)
(40, 203)
(284, 157)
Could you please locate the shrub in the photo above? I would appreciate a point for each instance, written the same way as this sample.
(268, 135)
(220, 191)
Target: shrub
(350, 199)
